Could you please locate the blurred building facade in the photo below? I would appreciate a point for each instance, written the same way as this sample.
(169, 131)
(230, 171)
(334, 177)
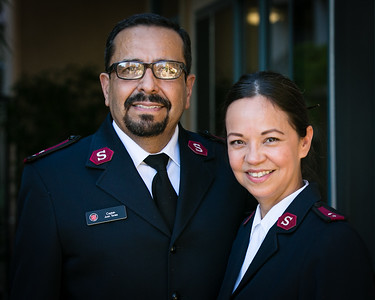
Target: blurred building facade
(326, 46)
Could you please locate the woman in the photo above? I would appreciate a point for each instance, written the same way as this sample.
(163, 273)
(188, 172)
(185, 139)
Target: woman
(293, 246)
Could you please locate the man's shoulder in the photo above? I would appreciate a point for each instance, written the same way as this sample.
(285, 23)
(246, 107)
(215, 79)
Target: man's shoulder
(73, 145)
(205, 137)
(65, 151)
(59, 146)
(211, 137)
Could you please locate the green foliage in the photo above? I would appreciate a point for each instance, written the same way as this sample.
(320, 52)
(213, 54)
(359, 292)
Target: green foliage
(310, 66)
(49, 107)
(310, 74)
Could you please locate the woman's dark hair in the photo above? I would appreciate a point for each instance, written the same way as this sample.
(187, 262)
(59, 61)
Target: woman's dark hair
(149, 20)
(284, 94)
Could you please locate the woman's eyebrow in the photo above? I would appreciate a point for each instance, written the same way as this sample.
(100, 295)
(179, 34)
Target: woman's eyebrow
(234, 134)
(271, 131)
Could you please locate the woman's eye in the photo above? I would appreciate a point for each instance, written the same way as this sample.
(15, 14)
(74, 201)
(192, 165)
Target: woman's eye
(236, 142)
(271, 139)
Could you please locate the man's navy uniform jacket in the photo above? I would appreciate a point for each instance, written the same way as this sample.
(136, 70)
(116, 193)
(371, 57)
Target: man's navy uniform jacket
(89, 228)
(310, 253)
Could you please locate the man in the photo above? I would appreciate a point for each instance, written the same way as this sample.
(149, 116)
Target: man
(89, 227)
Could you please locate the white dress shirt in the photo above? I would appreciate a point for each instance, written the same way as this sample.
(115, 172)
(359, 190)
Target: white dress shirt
(146, 172)
(261, 227)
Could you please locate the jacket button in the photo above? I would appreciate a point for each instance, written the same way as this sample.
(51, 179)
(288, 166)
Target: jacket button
(173, 249)
(175, 296)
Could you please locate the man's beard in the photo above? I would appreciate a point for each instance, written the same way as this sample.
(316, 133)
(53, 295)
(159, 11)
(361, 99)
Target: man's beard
(146, 127)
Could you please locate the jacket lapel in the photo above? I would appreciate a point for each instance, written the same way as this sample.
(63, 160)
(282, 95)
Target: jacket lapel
(267, 249)
(299, 207)
(238, 252)
(196, 177)
(120, 178)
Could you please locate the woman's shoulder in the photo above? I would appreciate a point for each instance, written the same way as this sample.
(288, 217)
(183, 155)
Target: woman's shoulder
(333, 227)
(326, 213)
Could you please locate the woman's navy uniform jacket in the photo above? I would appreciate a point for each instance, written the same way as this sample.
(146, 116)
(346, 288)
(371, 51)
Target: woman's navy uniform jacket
(89, 228)
(310, 253)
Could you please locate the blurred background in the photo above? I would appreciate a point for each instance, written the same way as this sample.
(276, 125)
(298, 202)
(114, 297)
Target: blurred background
(51, 54)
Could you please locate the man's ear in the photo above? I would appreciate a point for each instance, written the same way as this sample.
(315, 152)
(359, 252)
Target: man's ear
(189, 87)
(105, 83)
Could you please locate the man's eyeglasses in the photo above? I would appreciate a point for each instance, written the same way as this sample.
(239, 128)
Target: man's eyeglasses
(136, 70)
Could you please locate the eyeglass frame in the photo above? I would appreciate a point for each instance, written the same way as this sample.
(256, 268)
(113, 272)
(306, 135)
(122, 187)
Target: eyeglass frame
(113, 67)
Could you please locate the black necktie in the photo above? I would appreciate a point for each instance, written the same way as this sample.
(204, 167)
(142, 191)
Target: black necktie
(163, 193)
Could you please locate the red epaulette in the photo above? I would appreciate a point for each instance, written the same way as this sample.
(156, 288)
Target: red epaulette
(212, 137)
(327, 213)
(71, 139)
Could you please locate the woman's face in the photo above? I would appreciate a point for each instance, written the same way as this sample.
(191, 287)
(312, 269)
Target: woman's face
(264, 149)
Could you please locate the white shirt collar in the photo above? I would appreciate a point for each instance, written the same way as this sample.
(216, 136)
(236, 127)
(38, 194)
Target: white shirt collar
(138, 154)
(275, 212)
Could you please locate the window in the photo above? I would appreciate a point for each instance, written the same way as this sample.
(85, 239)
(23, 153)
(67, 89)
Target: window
(287, 36)
(215, 61)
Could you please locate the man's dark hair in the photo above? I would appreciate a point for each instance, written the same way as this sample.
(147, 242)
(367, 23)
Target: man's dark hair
(148, 19)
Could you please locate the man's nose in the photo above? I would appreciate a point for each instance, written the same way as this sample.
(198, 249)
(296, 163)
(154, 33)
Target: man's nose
(148, 83)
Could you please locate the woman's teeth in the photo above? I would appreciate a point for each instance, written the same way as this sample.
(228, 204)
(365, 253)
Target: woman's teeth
(259, 174)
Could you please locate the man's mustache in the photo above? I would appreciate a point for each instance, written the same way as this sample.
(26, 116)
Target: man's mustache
(140, 97)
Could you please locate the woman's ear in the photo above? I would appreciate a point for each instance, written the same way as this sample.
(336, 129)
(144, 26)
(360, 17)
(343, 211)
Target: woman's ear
(305, 142)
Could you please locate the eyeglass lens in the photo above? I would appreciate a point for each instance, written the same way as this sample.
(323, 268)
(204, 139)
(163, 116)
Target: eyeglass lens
(162, 70)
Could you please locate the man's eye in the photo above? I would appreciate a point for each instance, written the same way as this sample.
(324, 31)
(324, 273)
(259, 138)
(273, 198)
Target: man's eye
(128, 70)
(128, 67)
(132, 68)
(166, 69)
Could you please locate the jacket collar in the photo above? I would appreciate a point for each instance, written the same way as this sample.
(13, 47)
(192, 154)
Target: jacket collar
(196, 175)
(120, 178)
(299, 208)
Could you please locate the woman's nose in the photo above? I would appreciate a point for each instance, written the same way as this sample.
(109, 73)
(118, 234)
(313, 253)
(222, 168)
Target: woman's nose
(254, 155)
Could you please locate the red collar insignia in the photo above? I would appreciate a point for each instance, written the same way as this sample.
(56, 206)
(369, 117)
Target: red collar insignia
(101, 156)
(287, 221)
(197, 148)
